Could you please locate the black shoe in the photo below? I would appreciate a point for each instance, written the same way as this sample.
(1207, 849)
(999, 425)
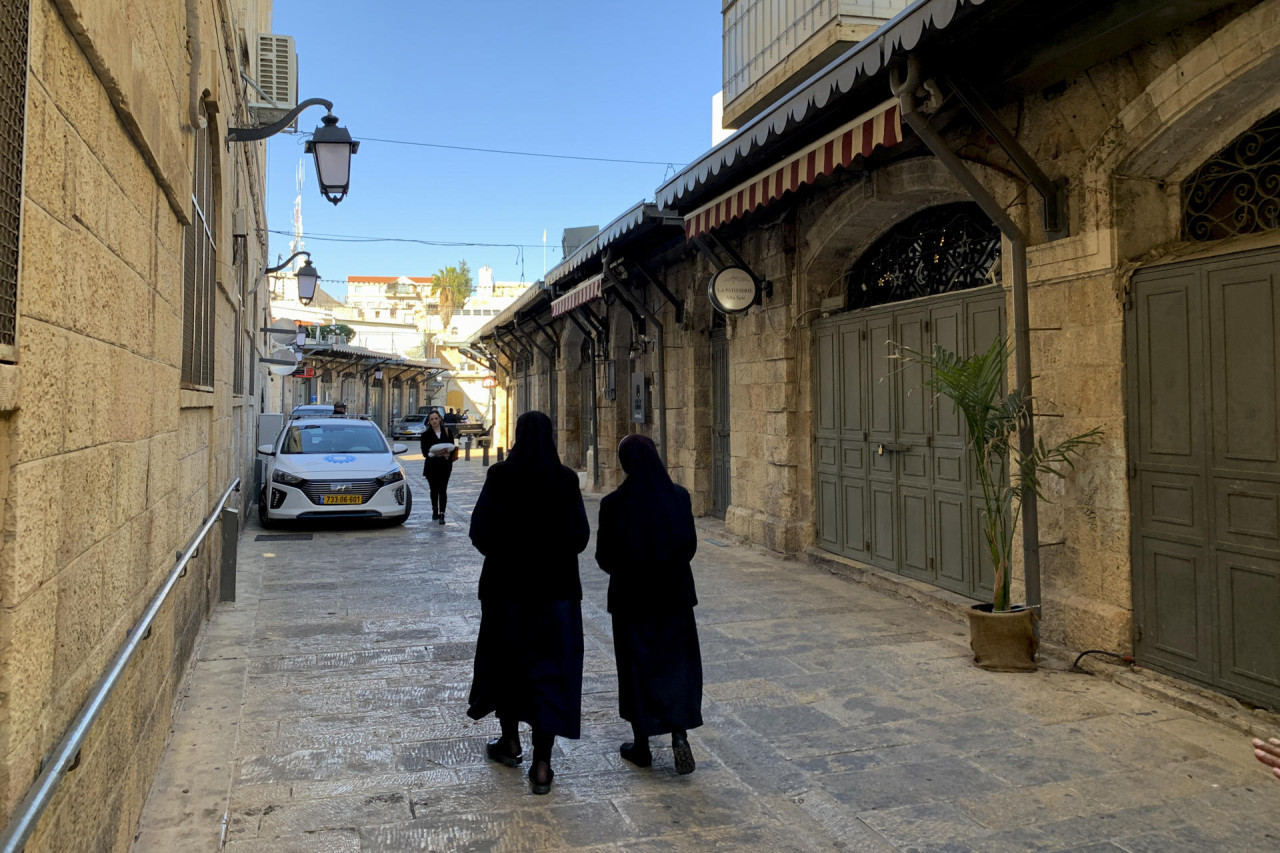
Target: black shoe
(540, 787)
(442, 518)
(497, 751)
(640, 756)
(682, 754)
(434, 516)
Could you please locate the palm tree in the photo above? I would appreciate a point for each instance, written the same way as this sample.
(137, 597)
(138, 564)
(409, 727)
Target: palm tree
(993, 419)
(452, 287)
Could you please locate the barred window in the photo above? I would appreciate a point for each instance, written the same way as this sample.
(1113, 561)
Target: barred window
(199, 258)
(13, 101)
(242, 340)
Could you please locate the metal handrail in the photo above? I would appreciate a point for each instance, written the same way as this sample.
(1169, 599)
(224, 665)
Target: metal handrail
(66, 755)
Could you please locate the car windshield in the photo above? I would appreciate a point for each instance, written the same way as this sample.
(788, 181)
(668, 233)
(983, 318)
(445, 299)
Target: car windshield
(413, 419)
(338, 437)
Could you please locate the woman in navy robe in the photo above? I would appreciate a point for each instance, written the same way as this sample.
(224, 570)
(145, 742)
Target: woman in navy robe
(645, 541)
(530, 524)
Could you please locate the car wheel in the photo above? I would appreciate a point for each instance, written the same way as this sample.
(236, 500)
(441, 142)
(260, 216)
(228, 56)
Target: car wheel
(408, 506)
(262, 511)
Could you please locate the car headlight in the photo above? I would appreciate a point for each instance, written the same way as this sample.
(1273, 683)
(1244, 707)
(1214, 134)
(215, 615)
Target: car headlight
(395, 475)
(285, 477)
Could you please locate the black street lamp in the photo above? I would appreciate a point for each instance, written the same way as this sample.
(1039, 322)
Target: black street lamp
(308, 277)
(331, 145)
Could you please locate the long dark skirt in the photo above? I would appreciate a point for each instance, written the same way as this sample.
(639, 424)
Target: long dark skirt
(659, 672)
(528, 665)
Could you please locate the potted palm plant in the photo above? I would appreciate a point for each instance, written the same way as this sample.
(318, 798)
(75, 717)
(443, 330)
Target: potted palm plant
(1002, 635)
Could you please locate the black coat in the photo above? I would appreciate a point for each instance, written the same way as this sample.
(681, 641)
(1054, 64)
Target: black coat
(530, 534)
(638, 585)
(529, 652)
(429, 439)
(655, 636)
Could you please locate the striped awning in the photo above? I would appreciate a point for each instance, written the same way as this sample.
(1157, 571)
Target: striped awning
(881, 126)
(580, 295)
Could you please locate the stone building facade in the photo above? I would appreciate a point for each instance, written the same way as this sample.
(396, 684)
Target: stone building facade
(1151, 130)
(129, 391)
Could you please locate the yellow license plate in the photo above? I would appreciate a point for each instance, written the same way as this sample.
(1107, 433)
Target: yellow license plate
(343, 499)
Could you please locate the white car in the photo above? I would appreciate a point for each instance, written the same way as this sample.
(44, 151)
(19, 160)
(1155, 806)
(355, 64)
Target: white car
(333, 467)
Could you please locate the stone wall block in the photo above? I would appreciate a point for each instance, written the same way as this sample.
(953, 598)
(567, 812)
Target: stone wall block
(42, 421)
(44, 179)
(91, 379)
(78, 617)
(1092, 302)
(118, 587)
(776, 397)
(27, 629)
(35, 506)
(43, 265)
(130, 461)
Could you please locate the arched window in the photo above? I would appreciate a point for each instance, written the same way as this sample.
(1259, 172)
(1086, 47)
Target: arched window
(1238, 190)
(940, 250)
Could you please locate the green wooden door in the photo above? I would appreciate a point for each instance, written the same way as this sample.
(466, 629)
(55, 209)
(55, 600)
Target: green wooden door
(894, 487)
(1204, 440)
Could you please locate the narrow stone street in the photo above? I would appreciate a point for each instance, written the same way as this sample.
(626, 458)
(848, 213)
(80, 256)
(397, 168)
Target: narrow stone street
(325, 711)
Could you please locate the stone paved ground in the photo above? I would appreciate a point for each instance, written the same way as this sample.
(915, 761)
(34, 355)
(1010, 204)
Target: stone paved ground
(326, 712)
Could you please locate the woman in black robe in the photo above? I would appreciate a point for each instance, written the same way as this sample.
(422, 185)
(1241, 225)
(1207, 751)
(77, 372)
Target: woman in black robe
(437, 468)
(530, 524)
(645, 541)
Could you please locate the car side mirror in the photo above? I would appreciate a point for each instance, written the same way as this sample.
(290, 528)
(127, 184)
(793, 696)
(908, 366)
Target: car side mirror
(268, 449)
(398, 448)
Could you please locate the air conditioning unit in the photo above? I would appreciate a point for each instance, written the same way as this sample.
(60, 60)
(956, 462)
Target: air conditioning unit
(276, 73)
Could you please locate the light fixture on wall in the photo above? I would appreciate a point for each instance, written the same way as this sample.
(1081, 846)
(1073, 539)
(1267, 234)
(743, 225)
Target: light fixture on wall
(331, 145)
(308, 277)
(377, 375)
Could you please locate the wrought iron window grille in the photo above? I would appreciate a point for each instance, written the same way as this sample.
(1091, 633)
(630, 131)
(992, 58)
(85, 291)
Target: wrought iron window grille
(943, 249)
(1238, 190)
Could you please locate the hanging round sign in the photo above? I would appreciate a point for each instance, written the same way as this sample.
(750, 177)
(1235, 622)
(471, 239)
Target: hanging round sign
(733, 290)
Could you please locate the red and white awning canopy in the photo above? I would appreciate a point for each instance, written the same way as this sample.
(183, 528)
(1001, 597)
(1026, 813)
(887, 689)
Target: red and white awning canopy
(881, 126)
(580, 295)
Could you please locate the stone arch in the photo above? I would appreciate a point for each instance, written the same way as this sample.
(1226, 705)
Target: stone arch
(1188, 113)
(866, 211)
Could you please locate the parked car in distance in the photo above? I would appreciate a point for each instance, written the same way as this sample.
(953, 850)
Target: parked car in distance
(312, 410)
(410, 426)
(333, 467)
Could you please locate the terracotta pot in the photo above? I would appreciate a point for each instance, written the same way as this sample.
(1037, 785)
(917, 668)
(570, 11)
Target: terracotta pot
(1004, 641)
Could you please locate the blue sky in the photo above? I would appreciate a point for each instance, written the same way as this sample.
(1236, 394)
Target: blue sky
(596, 79)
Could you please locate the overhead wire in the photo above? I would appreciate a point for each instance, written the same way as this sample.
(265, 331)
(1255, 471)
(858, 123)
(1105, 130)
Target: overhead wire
(357, 238)
(666, 163)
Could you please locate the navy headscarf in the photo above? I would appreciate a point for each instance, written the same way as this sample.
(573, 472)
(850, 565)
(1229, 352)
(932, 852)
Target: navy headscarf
(651, 504)
(534, 450)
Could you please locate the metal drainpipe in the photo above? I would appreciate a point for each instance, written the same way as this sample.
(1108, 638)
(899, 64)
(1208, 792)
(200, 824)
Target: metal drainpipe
(905, 91)
(660, 389)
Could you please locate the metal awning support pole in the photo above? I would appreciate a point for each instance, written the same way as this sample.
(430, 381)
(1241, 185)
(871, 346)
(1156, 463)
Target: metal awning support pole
(552, 338)
(595, 416)
(676, 303)
(905, 90)
(660, 391)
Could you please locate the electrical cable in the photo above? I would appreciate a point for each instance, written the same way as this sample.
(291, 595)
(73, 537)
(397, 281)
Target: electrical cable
(1126, 658)
(356, 238)
(517, 153)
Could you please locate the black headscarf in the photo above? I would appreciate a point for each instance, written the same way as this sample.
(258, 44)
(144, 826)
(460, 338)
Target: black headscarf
(534, 450)
(650, 502)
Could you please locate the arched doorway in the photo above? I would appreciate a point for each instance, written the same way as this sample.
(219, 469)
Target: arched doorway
(894, 485)
(1203, 367)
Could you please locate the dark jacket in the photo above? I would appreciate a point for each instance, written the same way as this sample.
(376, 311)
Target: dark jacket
(637, 585)
(530, 534)
(429, 440)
